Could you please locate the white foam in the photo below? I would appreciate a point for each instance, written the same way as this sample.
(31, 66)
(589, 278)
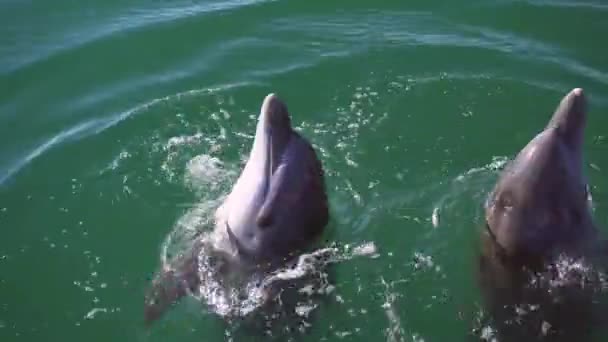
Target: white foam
(91, 314)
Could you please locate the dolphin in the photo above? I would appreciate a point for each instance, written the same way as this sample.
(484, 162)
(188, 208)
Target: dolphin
(279, 204)
(539, 211)
(277, 209)
(540, 205)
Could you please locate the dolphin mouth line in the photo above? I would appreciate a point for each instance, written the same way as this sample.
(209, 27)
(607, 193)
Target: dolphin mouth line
(266, 174)
(501, 250)
(269, 163)
(508, 259)
(238, 245)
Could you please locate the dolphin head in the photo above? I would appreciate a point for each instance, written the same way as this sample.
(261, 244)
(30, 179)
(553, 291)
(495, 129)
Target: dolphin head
(539, 204)
(280, 195)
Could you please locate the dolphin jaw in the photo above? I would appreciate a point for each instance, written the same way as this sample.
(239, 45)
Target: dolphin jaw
(237, 246)
(254, 182)
(260, 160)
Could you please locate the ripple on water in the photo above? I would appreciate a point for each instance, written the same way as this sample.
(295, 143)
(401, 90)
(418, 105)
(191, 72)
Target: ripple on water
(569, 4)
(91, 29)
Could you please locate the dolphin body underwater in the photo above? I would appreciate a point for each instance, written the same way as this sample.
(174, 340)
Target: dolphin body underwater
(276, 210)
(538, 212)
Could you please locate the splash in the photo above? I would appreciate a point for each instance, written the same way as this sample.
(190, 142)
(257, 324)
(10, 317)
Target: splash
(235, 291)
(568, 271)
(497, 163)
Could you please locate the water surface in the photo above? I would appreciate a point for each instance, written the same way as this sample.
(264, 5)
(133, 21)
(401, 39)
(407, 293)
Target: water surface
(121, 122)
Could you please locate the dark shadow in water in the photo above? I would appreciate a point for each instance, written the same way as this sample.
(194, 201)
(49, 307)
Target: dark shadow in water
(290, 314)
(560, 302)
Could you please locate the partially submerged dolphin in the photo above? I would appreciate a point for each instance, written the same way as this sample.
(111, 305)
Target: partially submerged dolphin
(538, 212)
(277, 209)
(540, 205)
(278, 205)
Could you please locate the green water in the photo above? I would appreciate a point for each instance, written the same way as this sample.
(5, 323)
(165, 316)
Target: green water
(111, 115)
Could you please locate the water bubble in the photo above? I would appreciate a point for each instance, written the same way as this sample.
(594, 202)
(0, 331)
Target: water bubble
(488, 334)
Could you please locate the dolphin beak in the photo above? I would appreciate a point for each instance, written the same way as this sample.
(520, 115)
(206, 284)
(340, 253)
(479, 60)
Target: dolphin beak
(270, 156)
(570, 117)
(263, 147)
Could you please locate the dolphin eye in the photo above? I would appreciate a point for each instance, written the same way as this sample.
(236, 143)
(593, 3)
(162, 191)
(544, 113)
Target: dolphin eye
(546, 218)
(265, 220)
(505, 200)
(575, 217)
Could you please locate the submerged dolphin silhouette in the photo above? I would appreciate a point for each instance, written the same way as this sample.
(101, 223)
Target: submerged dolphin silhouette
(277, 208)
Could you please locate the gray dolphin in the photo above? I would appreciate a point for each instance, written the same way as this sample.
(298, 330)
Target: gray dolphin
(538, 212)
(277, 208)
(540, 205)
(278, 205)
